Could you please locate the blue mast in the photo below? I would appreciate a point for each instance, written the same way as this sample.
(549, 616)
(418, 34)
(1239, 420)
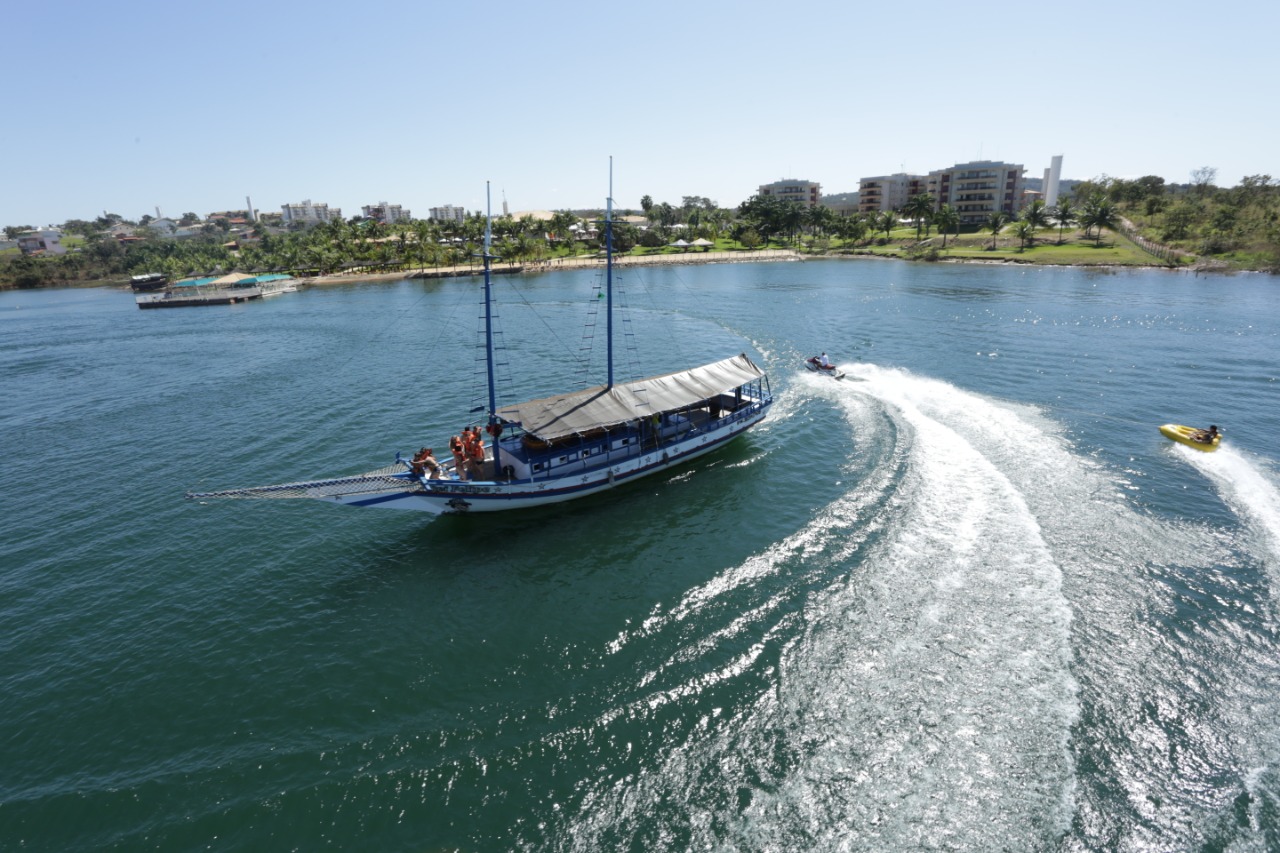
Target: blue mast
(488, 327)
(608, 276)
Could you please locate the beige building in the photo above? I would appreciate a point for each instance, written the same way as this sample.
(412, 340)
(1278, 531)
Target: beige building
(888, 192)
(807, 193)
(975, 190)
(978, 189)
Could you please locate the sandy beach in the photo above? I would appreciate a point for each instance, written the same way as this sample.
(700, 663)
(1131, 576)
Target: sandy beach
(691, 257)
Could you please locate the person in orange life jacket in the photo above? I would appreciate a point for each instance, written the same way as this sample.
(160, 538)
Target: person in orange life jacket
(456, 447)
(476, 451)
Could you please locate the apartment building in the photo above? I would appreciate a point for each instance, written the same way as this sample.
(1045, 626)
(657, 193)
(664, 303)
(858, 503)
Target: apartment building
(978, 189)
(386, 213)
(448, 213)
(888, 192)
(806, 193)
(309, 213)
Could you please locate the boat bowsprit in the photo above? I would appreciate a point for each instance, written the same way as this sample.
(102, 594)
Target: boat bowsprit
(1201, 439)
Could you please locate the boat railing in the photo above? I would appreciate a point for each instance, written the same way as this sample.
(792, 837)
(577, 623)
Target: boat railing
(622, 445)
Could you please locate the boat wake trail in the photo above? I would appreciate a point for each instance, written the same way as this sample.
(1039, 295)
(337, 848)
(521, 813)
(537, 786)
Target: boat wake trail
(1249, 490)
(972, 647)
(939, 673)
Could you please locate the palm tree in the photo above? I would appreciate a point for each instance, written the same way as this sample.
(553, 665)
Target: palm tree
(1099, 213)
(819, 219)
(995, 221)
(793, 216)
(560, 222)
(693, 218)
(886, 221)
(718, 218)
(1024, 231)
(947, 218)
(1036, 216)
(919, 208)
(1064, 214)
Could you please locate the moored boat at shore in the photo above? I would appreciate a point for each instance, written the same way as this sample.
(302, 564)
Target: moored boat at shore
(149, 282)
(228, 289)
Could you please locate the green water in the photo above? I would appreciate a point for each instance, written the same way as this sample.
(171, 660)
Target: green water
(967, 598)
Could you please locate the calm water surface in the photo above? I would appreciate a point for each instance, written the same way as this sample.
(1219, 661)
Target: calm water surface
(966, 599)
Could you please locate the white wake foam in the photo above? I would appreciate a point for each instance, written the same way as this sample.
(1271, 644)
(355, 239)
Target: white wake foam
(940, 673)
(970, 596)
(1249, 489)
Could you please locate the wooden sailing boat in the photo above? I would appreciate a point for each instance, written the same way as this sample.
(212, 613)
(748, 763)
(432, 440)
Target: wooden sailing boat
(565, 446)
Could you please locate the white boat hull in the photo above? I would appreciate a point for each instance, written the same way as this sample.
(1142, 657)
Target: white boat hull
(450, 497)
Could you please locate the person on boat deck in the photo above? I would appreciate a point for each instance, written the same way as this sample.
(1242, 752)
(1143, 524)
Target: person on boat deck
(469, 436)
(468, 447)
(459, 457)
(426, 462)
(476, 452)
(1206, 436)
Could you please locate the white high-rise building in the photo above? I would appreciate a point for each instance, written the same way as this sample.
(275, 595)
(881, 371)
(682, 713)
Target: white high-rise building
(1052, 175)
(449, 212)
(385, 213)
(309, 213)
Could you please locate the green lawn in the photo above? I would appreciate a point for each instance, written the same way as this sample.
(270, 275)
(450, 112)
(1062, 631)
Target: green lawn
(1114, 250)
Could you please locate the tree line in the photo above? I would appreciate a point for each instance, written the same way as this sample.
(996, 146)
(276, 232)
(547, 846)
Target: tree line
(1238, 227)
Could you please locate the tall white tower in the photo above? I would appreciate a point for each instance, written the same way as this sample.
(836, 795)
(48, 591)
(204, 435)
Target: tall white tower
(1051, 177)
(248, 202)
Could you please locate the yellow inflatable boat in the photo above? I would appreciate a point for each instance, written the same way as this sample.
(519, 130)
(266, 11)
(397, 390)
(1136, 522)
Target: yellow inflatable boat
(1200, 439)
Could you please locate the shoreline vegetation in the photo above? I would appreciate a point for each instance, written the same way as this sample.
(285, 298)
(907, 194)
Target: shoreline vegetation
(1103, 223)
(1108, 255)
(1117, 253)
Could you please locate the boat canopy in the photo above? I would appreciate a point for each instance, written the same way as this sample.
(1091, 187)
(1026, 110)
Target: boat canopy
(596, 408)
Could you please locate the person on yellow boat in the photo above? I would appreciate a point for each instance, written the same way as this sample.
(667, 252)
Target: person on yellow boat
(1206, 436)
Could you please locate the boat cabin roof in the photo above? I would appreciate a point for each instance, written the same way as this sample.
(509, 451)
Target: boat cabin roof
(595, 408)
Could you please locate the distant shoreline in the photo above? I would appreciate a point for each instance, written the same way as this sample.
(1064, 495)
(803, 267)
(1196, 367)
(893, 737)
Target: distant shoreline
(690, 258)
(556, 264)
(677, 259)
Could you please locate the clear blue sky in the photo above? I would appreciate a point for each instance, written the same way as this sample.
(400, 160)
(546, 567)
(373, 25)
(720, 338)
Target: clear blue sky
(192, 106)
